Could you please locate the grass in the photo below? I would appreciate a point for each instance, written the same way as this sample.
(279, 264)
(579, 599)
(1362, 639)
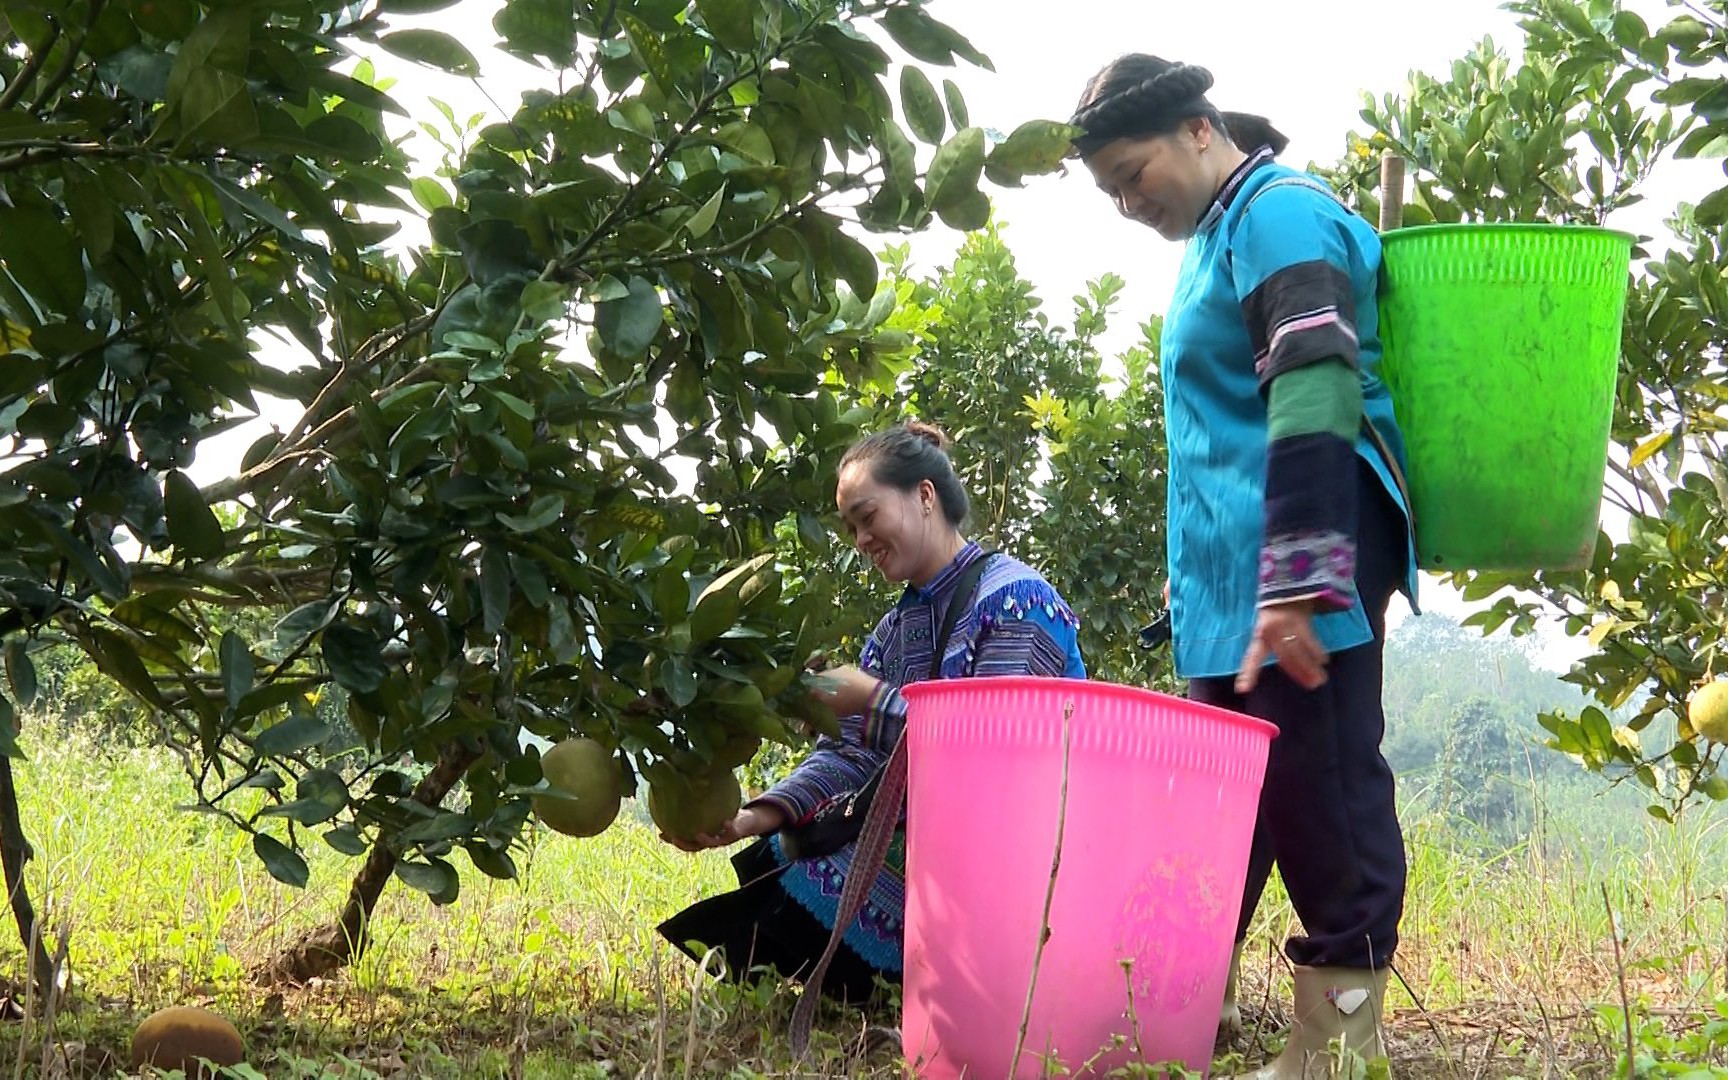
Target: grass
(1508, 964)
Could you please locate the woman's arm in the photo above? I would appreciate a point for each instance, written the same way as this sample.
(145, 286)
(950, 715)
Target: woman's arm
(1036, 637)
(833, 767)
(1291, 263)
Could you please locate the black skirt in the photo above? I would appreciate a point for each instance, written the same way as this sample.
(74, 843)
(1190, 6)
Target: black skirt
(759, 927)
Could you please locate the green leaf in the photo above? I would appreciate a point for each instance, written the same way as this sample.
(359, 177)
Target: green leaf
(1036, 147)
(703, 219)
(116, 657)
(716, 614)
(170, 20)
(434, 48)
(443, 826)
(1716, 787)
(923, 108)
(237, 668)
(1713, 210)
(492, 862)
(495, 579)
(972, 212)
(20, 671)
(732, 22)
(749, 140)
(956, 104)
(192, 525)
(306, 620)
(651, 50)
(300, 731)
(217, 107)
(354, 657)
(319, 796)
(247, 201)
(545, 510)
(679, 679)
(955, 169)
(934, 42)
(856, 265)
(671, 594)
(627, 326)
(92, 213)
(347, 840)
(283, 863)
(436, 878)
(43, 257)
(719, 605)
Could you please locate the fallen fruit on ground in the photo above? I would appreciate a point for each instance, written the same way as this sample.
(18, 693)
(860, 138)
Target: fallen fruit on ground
(179, 1036)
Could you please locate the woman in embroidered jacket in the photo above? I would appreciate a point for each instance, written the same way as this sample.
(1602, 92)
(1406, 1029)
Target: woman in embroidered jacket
(1287, 523)
(904, 507)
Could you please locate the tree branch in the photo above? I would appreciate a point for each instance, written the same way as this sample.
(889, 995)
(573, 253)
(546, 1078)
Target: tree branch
(27, 74)
(573, 261)
(72, 53)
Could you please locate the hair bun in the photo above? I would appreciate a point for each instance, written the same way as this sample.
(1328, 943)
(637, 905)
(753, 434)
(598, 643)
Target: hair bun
(930, 433)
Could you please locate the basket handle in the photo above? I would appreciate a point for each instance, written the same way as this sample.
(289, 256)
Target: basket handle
(1391, 191)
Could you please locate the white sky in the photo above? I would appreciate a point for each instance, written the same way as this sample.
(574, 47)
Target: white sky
(1304, 66)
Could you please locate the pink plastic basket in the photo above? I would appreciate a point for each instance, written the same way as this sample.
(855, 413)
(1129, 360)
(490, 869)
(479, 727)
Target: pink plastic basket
(1161, 799)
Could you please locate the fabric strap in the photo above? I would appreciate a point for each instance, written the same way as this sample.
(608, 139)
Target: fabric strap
(879, 825)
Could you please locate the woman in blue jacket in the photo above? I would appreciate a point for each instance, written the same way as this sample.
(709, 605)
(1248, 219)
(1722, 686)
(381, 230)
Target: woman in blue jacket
(1287, 520)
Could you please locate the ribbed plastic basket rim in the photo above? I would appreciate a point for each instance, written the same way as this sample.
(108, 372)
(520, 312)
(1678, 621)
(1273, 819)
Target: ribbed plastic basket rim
(912, 692)
(1412, 232)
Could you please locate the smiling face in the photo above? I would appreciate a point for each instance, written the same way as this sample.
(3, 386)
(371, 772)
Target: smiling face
(1164, 181)
(903, 533)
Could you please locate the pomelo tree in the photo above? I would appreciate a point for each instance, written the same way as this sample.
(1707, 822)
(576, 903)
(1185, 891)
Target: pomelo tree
(536, 466)
(1572, 135)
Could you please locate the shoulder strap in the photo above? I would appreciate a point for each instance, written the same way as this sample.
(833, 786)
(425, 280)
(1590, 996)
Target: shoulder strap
(1299, 181)
(1368, 428)
(878, 829)
(963, 599)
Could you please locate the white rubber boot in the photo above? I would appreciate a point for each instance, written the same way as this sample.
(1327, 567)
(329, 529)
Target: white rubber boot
(1338, 1012)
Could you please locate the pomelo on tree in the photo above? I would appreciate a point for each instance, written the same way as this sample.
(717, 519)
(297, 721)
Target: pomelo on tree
(589, 787)
(1707, 711)
(686, 806)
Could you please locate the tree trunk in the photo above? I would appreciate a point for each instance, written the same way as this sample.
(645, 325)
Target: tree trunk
(330, 948)
(14, 853)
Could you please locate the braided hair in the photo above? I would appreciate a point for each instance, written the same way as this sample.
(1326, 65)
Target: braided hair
(1139, 96)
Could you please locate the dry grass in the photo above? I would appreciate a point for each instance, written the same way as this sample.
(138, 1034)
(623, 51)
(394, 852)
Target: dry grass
(1508, 958)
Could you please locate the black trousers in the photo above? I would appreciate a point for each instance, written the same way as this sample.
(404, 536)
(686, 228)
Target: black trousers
(1328, 818)
(758, 927)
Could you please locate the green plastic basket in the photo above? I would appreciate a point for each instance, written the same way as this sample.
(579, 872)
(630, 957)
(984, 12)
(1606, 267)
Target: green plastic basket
(1502, 342)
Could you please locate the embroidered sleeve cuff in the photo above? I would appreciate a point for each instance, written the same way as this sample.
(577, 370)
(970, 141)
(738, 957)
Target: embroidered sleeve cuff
(1310, 547)
(1317, 566)
(884, 718)
(783, 802)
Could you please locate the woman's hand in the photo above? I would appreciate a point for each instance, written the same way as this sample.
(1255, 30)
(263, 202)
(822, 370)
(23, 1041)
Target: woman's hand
(845, 690)
(749, 822)
(1285, 631)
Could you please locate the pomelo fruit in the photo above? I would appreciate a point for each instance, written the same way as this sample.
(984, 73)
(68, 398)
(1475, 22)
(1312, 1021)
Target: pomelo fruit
(686, 807)
(179, 1036)
(1707, 711)
(737, 751)
(593, 784)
